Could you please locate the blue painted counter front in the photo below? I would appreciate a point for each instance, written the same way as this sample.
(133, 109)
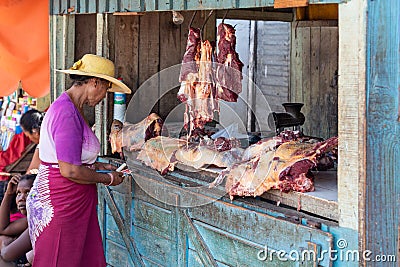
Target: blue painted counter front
(152, 220)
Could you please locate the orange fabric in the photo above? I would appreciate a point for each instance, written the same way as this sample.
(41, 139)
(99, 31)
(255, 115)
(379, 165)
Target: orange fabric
(24, 46)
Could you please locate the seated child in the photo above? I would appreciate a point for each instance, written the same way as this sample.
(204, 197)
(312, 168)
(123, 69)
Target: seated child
(18, 187)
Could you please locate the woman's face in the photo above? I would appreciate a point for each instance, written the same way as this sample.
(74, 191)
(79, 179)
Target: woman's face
(97, 91)
(33, 136)
(23, 188)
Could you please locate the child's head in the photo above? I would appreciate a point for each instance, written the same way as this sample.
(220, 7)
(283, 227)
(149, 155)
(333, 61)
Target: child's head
(24, 186)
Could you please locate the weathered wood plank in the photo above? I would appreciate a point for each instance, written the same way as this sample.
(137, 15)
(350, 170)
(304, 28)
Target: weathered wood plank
(254, 15)
(149, 57)
(296, 69)
(63, 50)
(153, 219)
(351, 114)
(317, 72)
(258, 228)
(324, 81)
(120, 202)
(123, 227)
(331, 97)
(112, 230)
(170, 55)
(154, 247)
(127, 55)
(313, 109)
(85, 36)
(197, 242)
(317, 23)
(194, 259)
(305, 37)
(116, 255)
(382, 187)
(145, 100)
(233, 250)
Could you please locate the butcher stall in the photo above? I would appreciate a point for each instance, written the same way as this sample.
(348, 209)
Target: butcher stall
(259, 133)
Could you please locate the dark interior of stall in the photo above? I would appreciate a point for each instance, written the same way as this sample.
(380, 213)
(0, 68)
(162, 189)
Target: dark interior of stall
(291, 56)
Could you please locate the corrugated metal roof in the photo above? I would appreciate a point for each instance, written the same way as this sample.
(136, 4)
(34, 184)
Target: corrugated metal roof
(111, 6)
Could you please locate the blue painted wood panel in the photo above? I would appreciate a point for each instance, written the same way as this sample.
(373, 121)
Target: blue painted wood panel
(155, 248)
(116, 254)
(382, 199)
(152, 218)
(220, 233)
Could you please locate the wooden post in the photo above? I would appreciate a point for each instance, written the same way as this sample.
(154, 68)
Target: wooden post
(101, 108)
(62, 41)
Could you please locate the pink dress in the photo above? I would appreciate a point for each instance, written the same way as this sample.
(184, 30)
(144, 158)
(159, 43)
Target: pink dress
(16, 216)
(62, 214)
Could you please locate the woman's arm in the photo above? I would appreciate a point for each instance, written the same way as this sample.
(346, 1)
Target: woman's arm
(18, 226)
(35, 162)
(84, 175)
(17, 248)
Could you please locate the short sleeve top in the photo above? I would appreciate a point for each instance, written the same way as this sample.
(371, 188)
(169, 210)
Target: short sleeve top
(65, 136)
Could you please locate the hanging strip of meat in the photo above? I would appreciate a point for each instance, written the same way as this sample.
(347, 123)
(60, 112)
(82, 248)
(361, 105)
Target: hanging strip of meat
(197, 89)
(191, 57)
(229, 70)
(202, 83)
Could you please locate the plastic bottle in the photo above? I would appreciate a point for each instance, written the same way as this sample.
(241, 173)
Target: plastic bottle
(119, 106)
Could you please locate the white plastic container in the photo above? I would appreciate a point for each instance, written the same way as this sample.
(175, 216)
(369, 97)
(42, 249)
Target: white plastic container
(119, 106)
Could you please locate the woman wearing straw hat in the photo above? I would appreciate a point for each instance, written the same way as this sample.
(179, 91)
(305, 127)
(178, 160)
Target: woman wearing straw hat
(62, 216)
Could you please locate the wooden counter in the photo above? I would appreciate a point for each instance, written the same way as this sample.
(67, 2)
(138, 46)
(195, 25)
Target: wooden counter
(177, 220)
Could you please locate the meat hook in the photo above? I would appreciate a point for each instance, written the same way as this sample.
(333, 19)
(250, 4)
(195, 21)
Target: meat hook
(191, 21)
(223, 18)
(204, 24)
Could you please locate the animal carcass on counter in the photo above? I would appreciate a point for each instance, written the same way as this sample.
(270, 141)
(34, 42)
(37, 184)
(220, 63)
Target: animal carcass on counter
(116, 136)
(220, 153)
(286, 168)
(135, 135)
(158, 153)
(163, 153)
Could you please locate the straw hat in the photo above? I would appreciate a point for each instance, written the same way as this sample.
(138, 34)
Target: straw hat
(97, 66)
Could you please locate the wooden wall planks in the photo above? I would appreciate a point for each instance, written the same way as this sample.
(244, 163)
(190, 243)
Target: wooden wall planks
(314, 65)
(149, 56)
(170, 54)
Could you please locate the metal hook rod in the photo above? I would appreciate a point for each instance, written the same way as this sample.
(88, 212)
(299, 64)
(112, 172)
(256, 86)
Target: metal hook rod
(223, 19)
(191, 21)
(204, 24)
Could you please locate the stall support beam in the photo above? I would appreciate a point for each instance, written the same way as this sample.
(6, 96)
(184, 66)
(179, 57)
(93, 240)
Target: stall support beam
(62, 40)
(102, 49)
(351, 111)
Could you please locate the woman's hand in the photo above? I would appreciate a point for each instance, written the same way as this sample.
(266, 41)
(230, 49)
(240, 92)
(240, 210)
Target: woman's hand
(117, 178)
(12, 184)
(104, 166)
